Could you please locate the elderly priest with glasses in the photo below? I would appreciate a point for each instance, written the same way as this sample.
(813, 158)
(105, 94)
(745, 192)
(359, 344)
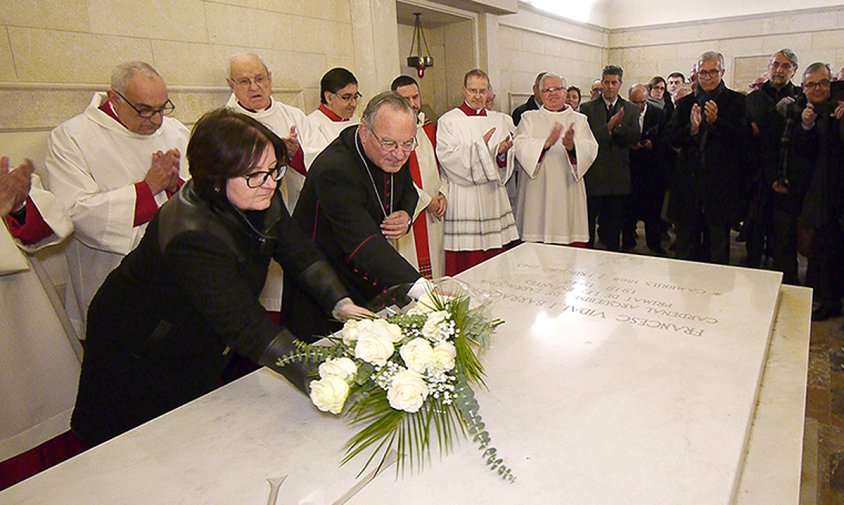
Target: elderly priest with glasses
(112, 167)
(358, 196)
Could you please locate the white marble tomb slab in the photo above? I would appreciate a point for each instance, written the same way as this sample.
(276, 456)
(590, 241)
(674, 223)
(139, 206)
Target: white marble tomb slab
(616, 379)
(587, 409)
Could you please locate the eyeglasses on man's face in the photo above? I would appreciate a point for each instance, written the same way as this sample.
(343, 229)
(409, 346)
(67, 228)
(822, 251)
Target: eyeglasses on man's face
(148, 112)
(549, 91)
(786, 67)
(257, 179)
(260, 80)
(392, 146)
(824, 83)
(477, 91)
(709, 74)
(348, 97)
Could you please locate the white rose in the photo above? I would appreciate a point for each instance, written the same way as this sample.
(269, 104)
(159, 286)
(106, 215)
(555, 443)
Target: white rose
(373, 347)
(417, 354)
(424, 304)
(387, 329)
(329, 394)
(339, 367)
(352, 328)
(437, 326)
(443, 356)
(408, 391)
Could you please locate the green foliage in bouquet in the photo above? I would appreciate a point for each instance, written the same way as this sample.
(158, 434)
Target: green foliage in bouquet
(406, 380)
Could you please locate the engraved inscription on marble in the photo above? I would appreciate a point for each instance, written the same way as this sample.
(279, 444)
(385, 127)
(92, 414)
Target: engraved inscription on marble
(641, 302)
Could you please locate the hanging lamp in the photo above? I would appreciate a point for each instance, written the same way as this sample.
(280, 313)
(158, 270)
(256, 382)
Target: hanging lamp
(420, 62)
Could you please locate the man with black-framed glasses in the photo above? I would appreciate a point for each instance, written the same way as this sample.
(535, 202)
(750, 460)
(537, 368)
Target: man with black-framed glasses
(710, 130)
(112, 167)
(338, 100)
(812, 183)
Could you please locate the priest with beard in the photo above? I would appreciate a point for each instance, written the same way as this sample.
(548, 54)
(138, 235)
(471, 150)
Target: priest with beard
(423, 246)
(555, 147)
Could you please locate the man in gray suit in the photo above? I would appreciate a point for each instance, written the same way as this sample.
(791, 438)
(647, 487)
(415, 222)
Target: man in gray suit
(615, 125)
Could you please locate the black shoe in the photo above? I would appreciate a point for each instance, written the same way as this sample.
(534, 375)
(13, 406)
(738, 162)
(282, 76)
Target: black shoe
(658, 250)
(825, 312)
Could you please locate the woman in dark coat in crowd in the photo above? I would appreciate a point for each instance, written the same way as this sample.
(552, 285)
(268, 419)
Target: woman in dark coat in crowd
(161, 327)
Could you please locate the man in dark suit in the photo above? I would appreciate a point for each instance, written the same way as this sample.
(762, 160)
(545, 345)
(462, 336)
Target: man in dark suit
(814, 182)
(710, 128)
(615, 125)
(766, 111)
(647, 177)
(357, 197)
(532, 103)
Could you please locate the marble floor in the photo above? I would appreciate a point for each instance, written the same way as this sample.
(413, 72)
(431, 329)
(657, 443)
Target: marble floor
(822, 480)
(823, 441)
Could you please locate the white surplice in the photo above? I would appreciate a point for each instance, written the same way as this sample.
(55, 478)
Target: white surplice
(330, 128)
(551, 203)
(479, 216)
(40, 369)
(93, 163)
(432, 185)
(279, 117)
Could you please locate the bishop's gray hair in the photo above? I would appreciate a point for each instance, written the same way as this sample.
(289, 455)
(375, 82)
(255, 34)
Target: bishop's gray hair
(123, 73)
(387, 98)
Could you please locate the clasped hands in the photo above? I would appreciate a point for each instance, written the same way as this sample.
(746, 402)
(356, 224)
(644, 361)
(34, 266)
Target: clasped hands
(163, 173)
(809, 116)
(14, 185)
(710, 111)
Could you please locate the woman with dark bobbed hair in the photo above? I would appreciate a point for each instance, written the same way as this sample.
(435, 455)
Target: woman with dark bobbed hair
(161, 327)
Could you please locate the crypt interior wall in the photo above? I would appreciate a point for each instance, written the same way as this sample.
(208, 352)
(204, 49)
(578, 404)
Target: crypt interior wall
(55, 53)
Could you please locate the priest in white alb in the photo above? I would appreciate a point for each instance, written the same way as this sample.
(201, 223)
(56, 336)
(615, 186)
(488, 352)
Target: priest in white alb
(554, 147)
(41, 356)
(338, 101)
(474, 149)
(423, 245)
(251, 83)
(112, 167)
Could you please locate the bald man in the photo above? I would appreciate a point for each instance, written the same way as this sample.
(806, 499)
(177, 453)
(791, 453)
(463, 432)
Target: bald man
(112, 167)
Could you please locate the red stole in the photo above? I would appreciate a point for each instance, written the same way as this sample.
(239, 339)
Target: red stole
(420, 226)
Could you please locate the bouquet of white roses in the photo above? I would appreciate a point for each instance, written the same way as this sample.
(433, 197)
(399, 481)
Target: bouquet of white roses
(404, 377)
